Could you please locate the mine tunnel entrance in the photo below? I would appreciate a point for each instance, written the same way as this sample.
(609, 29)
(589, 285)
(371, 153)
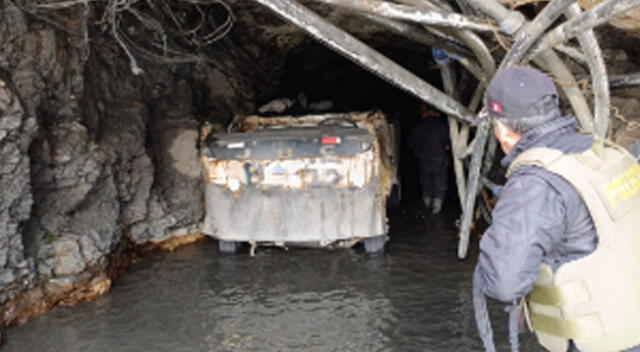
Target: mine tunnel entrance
(102, 109)
(315, 73)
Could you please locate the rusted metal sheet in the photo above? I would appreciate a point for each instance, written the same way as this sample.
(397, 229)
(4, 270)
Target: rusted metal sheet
(316, 215)
(322, 199)
(355, 171)
(383, 148)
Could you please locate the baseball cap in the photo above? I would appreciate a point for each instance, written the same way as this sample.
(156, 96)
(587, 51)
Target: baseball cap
(514, 92)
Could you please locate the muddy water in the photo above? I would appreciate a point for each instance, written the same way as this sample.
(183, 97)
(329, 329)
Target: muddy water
(415, 298)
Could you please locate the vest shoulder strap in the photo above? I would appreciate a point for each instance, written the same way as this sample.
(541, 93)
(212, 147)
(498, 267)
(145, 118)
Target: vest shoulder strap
(608, 176)
(541, 157)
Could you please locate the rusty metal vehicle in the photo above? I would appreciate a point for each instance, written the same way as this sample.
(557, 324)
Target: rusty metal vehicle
(314, 180)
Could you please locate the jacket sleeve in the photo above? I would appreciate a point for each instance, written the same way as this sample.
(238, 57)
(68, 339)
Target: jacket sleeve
(528, 222)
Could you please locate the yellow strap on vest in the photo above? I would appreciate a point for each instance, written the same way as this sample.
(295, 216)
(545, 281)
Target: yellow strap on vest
(573, 292)
(579, 328)
(537, 156)
(543, 157)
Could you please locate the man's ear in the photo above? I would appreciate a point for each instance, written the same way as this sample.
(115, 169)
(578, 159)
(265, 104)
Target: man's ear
(505, 136)
(501, 131)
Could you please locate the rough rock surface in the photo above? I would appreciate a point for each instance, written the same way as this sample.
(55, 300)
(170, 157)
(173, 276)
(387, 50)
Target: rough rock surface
(619, 51)
(94, 159)
(16, 200)
(17, 129)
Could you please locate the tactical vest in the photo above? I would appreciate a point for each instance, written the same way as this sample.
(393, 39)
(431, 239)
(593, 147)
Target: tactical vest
(595, 300)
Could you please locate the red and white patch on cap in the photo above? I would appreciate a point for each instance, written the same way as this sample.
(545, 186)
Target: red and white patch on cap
(496, 107)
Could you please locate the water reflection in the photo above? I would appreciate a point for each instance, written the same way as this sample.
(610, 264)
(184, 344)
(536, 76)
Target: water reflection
(415, 298)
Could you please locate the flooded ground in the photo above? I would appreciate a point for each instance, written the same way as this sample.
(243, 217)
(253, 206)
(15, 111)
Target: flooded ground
(415, 298)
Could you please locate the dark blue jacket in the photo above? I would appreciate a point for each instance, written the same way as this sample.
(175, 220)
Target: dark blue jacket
(538, 218)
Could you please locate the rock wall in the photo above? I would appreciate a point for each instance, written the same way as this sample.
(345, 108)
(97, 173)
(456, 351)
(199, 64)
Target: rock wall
(22, 78)
(94, 160)
(621, 48)
(16, 200)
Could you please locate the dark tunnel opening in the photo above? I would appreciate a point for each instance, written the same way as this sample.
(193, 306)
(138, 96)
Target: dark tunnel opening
(320, 74)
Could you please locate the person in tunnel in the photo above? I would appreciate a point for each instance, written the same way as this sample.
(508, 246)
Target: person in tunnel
(429, 141)
(564, 241)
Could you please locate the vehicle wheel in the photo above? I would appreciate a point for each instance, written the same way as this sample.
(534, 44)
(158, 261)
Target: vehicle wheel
(228, 247)
(375, 245)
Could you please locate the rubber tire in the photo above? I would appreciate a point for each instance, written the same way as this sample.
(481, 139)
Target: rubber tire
(228, 247)
(375, 245)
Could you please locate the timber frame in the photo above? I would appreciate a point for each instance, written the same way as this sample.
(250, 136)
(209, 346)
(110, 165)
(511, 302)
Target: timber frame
(459, 27)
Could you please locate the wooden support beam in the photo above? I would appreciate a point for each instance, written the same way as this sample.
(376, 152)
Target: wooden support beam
(355, 50)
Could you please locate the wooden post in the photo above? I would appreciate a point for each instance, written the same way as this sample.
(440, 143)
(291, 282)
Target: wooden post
(473, 181)
(454, 134)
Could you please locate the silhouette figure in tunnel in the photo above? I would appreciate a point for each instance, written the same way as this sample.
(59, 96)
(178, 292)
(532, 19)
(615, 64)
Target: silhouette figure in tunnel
(429, 141)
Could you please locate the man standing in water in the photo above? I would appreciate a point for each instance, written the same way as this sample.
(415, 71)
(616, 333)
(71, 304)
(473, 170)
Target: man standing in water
(565, 236)
(428, 141)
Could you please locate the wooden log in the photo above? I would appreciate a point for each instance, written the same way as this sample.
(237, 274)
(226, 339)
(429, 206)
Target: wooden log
(473, 180)
(355, 50)
(448, 83)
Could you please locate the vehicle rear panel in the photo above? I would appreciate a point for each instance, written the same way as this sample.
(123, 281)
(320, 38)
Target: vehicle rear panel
(294, 182)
